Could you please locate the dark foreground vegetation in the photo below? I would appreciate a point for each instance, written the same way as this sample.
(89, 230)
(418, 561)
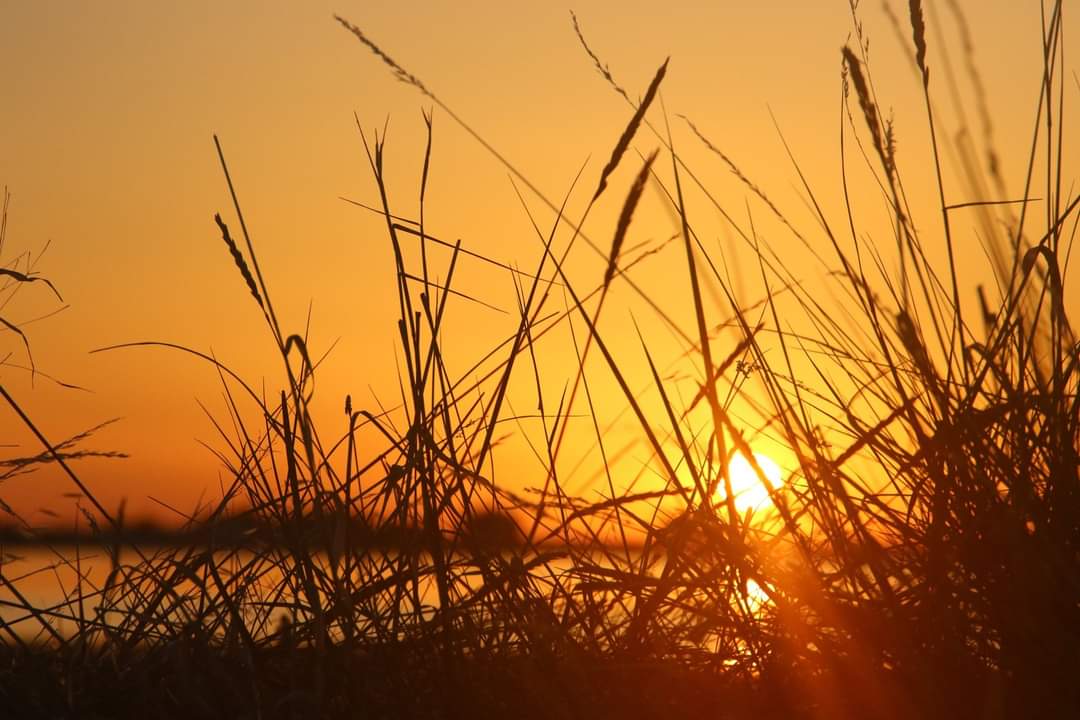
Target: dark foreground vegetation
(921, 560)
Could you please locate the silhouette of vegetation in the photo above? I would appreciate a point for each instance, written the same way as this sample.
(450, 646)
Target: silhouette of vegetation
(15, 274)
(919, 561)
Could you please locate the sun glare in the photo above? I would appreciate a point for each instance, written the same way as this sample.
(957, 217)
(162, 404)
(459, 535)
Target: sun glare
(746, 485)
(756, 596)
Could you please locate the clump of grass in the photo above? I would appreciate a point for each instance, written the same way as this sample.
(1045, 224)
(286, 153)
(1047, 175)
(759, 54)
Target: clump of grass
(920, 560)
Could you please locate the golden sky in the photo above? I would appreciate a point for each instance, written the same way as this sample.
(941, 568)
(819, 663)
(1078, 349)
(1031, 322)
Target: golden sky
(107, 112)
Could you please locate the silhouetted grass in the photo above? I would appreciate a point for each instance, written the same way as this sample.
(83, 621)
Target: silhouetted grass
(15, 274)
(921, 559)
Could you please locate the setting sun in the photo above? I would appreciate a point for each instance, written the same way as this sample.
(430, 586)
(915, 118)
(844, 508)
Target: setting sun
(746, 485)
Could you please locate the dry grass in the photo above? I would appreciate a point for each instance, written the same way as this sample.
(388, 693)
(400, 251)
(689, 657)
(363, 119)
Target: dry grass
(15, 274)
(921, 562)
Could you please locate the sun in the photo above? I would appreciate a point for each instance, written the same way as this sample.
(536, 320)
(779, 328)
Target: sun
(746, 485)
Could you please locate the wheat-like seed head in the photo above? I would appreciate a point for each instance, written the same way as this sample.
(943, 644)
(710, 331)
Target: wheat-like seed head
(918, 31)
(869, 109)
(238, 259)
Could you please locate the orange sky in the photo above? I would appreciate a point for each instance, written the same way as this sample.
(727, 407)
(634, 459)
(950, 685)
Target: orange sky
(106, 119)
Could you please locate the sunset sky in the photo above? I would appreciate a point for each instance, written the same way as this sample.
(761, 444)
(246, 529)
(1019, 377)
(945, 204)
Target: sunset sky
(106, 121)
